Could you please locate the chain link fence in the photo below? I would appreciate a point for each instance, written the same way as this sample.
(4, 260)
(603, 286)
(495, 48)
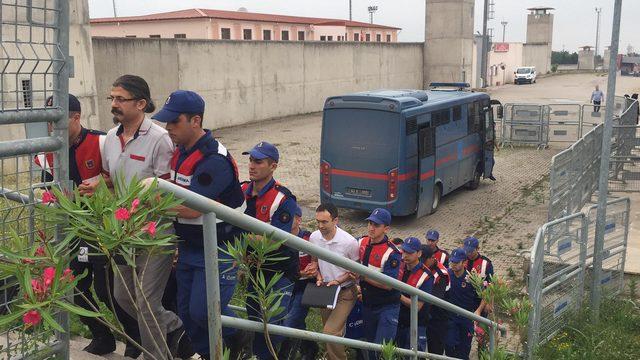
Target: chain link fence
(34, 37)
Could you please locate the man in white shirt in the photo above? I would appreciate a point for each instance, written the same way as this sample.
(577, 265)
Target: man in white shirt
(338, 241)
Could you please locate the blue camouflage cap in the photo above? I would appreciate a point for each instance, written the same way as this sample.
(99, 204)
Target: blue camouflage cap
(263, 150)
(458, 255)
(380, 216)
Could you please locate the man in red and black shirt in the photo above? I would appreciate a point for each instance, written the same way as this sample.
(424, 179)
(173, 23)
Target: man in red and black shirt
(85, 164)
(441, 255)
(437, 326)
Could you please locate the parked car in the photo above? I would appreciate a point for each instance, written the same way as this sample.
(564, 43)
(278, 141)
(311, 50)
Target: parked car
(525, 74)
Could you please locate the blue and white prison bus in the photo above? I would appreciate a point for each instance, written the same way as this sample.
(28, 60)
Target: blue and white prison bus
(404, 149)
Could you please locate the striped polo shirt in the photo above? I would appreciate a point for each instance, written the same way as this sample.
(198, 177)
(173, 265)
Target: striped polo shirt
(147, 154)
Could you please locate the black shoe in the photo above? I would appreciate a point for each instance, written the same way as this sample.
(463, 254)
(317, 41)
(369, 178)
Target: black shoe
(132, 351)
(492, 178)
(102, 345)
(204, 357)
(179, 344)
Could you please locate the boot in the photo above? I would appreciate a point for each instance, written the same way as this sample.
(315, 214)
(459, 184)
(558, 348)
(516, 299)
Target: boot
(102, 345)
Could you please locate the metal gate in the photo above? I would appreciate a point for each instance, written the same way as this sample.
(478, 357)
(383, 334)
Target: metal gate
(556, 280)
(524, 124)
(34, 62)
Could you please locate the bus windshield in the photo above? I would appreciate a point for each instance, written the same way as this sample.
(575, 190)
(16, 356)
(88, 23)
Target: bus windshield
(360, 139)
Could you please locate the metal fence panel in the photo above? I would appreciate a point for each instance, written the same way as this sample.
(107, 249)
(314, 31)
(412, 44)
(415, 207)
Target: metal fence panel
(524, 124)
(556, 281)
(615, 244)
(564, 122)
(33, 58)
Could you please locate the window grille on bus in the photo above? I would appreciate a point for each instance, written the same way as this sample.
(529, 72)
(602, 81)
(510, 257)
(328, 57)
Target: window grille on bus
(412, 125)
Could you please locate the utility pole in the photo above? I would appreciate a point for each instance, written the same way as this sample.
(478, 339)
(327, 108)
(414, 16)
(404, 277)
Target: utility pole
(372, 10)
(603, 181)
(504, 29)
(350, 13)
(115, 14)
(598, 10)
(485, 44)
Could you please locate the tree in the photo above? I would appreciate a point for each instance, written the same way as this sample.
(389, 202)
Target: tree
(564, 57)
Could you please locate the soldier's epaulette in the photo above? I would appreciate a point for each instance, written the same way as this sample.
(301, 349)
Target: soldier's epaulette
(284, 190)
(96, 132)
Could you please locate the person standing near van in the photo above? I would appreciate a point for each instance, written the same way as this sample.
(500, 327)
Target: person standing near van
(381, 303)
(596, 98)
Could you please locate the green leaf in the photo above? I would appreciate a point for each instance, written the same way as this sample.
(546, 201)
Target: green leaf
(50, 321)
(76, 309)
(9, 318)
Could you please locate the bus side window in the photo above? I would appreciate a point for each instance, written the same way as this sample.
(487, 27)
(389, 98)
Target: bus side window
(426, 137)
(473, 118)
(457, 113)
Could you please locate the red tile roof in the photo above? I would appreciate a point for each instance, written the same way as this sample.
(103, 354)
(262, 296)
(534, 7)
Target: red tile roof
(238, 15)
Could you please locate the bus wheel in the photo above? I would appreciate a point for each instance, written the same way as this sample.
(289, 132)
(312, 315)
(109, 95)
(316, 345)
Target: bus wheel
(475, 182)
(437, 195)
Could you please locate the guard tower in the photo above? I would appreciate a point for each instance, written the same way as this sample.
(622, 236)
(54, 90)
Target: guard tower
(537, 49)
(448, 46)
(586, 58)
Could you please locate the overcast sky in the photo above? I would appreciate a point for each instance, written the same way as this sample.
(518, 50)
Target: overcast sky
(574, 21)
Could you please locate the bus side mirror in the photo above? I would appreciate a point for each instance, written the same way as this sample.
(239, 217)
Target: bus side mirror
(500, 112)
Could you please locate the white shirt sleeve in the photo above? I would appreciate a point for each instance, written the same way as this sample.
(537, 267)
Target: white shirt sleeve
(162, 156)
(354, 250)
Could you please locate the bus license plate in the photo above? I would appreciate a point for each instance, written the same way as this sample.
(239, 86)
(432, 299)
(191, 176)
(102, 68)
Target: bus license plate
(359, 192)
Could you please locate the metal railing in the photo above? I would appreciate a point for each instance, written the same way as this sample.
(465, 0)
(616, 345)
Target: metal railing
(213, 210)
(561, 267)
(34, 38)
(542, 124)
(574, 172)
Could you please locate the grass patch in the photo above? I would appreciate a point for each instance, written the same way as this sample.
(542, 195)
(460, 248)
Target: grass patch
(617, 336)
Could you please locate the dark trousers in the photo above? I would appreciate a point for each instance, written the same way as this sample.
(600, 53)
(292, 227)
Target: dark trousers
(437, 330)
(380, 324)
(100, 274)
(459, 337)
(596, 106)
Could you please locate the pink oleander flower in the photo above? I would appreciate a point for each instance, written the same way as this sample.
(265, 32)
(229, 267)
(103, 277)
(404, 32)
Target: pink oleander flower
(48, 198)
(150, 228)
(134, 205)
(485, 283)
(38, 287)
(48, 275)
(28, 261)
(67, 275)
(32, 318)
(40, 252)
(122, 214)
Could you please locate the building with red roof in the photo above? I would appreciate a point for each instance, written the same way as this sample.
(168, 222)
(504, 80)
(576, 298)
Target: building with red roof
(240, 25)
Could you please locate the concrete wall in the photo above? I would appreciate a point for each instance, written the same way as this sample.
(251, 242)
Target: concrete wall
(586, 59)
(251, 80)
(448, 50)
(538, 55)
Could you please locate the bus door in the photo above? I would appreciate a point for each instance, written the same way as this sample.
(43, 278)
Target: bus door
(428, 194)
(488, 140)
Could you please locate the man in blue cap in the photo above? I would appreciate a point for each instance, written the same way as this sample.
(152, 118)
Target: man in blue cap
(438, 317)
(413, 272)
(478, 263)
(441, 255)
(381, 303)
(462, 294)
(203, 165)
(272, 203)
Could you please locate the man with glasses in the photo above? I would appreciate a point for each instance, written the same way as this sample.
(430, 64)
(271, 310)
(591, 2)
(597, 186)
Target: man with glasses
(140, 148)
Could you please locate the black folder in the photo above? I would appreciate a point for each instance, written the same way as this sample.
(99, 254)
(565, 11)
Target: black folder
(325, 297)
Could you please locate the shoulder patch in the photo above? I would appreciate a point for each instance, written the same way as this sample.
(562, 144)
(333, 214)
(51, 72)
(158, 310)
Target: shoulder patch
(394, 263)
(284, 217)
(205, 179)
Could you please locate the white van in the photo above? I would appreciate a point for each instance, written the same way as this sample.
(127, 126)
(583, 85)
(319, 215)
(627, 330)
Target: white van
(525, 74)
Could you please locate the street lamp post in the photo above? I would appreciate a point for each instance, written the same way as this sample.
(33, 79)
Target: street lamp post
(372, 9)
(350, 13)
(504, 28)
(598, 10)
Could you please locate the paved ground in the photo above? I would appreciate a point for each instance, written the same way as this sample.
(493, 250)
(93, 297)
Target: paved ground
(504, 214)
